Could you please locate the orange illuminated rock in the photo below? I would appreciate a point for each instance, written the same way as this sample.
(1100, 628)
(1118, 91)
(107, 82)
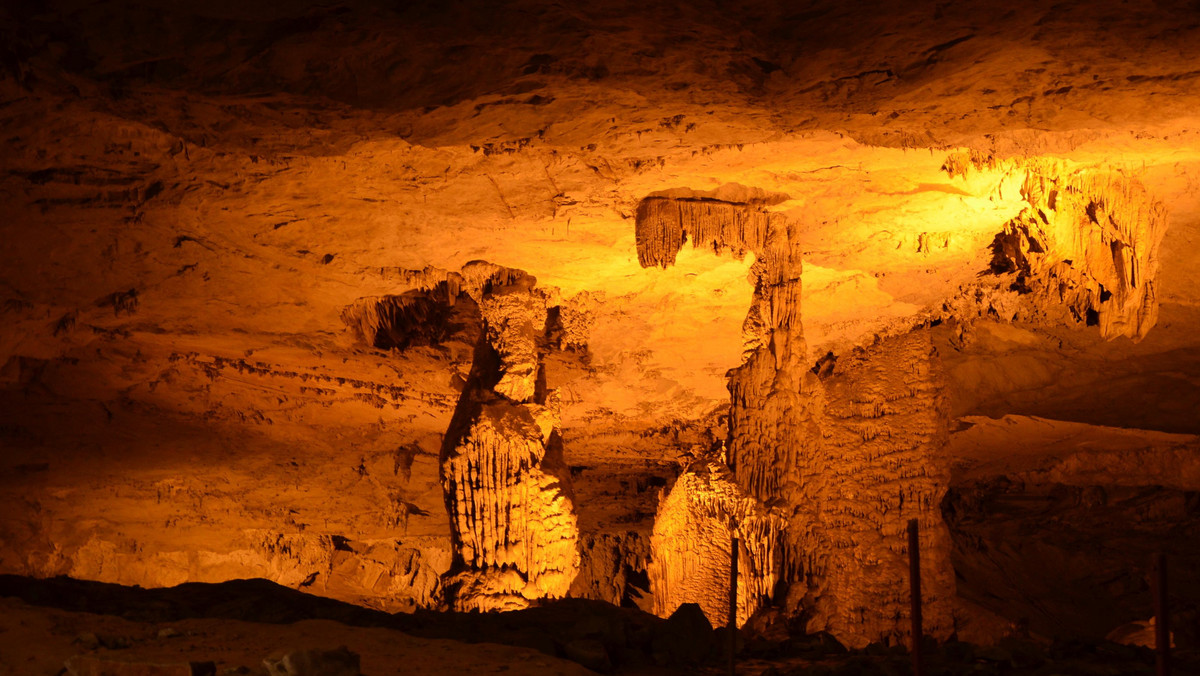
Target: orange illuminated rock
(247, 251)
(691, 545)
(1084, 249)
(880, 463)
(512, 517)
(849, 459)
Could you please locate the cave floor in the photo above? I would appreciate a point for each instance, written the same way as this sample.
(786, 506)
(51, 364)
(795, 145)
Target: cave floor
(235, 625)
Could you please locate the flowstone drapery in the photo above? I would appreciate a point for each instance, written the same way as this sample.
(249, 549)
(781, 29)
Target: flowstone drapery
(512, 517)
(691, 546)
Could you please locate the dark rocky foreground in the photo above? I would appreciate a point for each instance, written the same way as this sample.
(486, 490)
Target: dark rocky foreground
(597, 635)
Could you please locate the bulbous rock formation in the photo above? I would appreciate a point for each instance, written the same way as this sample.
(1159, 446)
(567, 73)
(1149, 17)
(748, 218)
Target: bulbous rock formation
(690, 548)
(513, 526)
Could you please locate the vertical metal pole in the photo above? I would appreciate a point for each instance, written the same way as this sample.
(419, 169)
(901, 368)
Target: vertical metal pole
(1162, 614)
(914, 579)
(733, 575)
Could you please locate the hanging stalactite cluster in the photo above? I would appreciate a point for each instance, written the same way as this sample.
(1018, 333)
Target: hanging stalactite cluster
(1083, 250)
(664, 224)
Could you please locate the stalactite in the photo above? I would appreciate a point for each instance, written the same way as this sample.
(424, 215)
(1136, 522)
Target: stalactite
(1084, 249)
(1109, 229)
(690, 547)
(848, 458)
(663, 225)
(401, 321)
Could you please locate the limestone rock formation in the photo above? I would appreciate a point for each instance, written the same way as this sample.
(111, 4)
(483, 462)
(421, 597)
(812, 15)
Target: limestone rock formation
(849, 458)
(248, 250)
(665, 223)
(613, 568)
(512, 517)
(399, 321)
(690, 549)
(1084, 249)
(514, 324)
(774, 396)
(881, 463)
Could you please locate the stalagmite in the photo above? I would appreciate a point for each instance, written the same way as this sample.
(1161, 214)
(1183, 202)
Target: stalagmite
(883, 432)
(690, 546)
(774, 394)
(513, 526)
(848, 459)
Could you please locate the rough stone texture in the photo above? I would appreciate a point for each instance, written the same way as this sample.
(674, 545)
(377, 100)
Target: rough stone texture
(512, 517)
(340, 662)
(88, 665)
(515, 322)
(1087, 242)
(613, 568)
(690, 548)
(850, 458)
(193, 193)
(882, 463)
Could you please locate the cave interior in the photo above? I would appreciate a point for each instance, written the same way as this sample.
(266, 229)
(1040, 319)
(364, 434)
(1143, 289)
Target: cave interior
(447, 337)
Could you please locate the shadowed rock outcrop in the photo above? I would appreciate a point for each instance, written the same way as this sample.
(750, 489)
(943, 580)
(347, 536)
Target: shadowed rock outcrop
(418, 317)
(613, 568)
